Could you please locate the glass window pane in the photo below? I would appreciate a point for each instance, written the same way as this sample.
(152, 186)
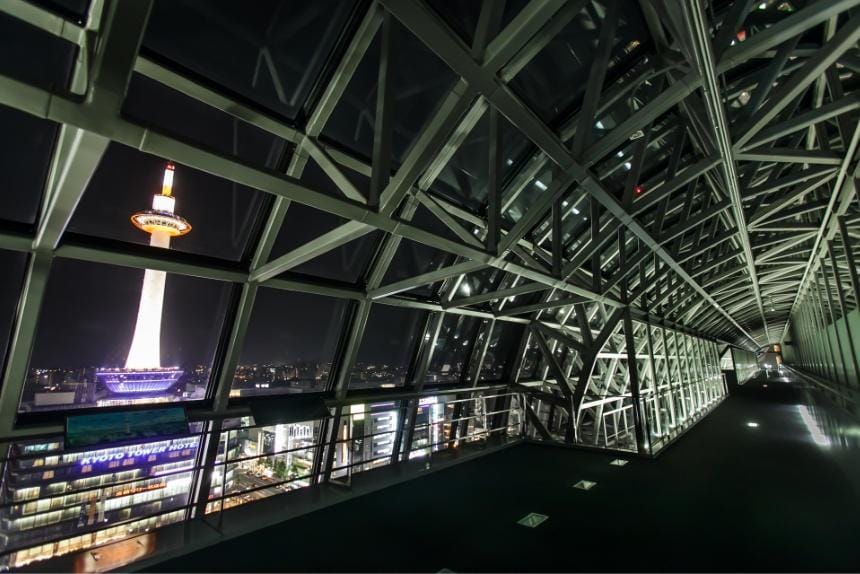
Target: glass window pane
(13, 265)
(647, 88)
(347, 263)
(34, 56)
(529, 194)
(412, 259)
(553, 83)
(432, 427)
(290, 344)
(453, 349)
(480, 282)
(114, 335)
(271, 53)
(223, 215)
(366, 437)
(533, 362)
(462, 17)
(464, 179)
(504, 345)
(419, 82)
(266, 461)
(27, 143)
(174, 113)
(74, 10)
(388, 346)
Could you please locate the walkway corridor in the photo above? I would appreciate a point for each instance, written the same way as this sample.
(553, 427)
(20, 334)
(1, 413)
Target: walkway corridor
(760, 484)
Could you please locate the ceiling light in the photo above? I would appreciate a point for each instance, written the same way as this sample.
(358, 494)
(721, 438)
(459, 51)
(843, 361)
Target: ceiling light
(575, 211)
(540, 185)
(752, 424)
(627, 165)
(599, 125)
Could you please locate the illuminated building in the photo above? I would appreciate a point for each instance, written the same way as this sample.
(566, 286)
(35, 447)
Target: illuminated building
(143, 373)
(63, 501)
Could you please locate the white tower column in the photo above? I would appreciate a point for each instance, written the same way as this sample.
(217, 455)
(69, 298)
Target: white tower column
(145, 352)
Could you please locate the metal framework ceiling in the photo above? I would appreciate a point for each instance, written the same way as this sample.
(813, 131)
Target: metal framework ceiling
(695, 186)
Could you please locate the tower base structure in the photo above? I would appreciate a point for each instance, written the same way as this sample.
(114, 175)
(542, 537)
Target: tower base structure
(139, 382)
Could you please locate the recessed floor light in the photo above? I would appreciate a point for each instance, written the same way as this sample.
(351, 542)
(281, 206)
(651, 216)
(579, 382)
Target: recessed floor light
(532, 520)
(618, 462)
(585, 485)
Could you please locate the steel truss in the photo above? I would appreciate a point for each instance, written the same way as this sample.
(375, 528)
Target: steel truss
(747, 226)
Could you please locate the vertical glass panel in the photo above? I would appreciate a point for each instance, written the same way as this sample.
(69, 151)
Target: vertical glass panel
(387, 348)
(432, 428)
(27, 144)
(500, 355)
(23, 45)
(57, 501)
(533, 362)
(453, 349)
(419, 82)
(265, 460)
(290, 344)
(269, 53)
(365, 437)
(222, 215)
(13, 265)
(111, 336)
(175, 113)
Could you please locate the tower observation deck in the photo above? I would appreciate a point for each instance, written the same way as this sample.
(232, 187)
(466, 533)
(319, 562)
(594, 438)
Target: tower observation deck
(143, 372)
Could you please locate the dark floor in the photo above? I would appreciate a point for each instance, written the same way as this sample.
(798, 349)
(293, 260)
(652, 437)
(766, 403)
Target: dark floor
(725, 497)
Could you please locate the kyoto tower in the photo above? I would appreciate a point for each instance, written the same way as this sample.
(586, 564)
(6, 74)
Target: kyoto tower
(143, 373)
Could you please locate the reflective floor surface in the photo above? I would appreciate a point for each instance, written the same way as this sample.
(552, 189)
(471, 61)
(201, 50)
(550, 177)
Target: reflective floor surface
(769, 481)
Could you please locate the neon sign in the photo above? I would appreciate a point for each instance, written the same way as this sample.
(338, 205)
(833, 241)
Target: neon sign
(129, 456)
